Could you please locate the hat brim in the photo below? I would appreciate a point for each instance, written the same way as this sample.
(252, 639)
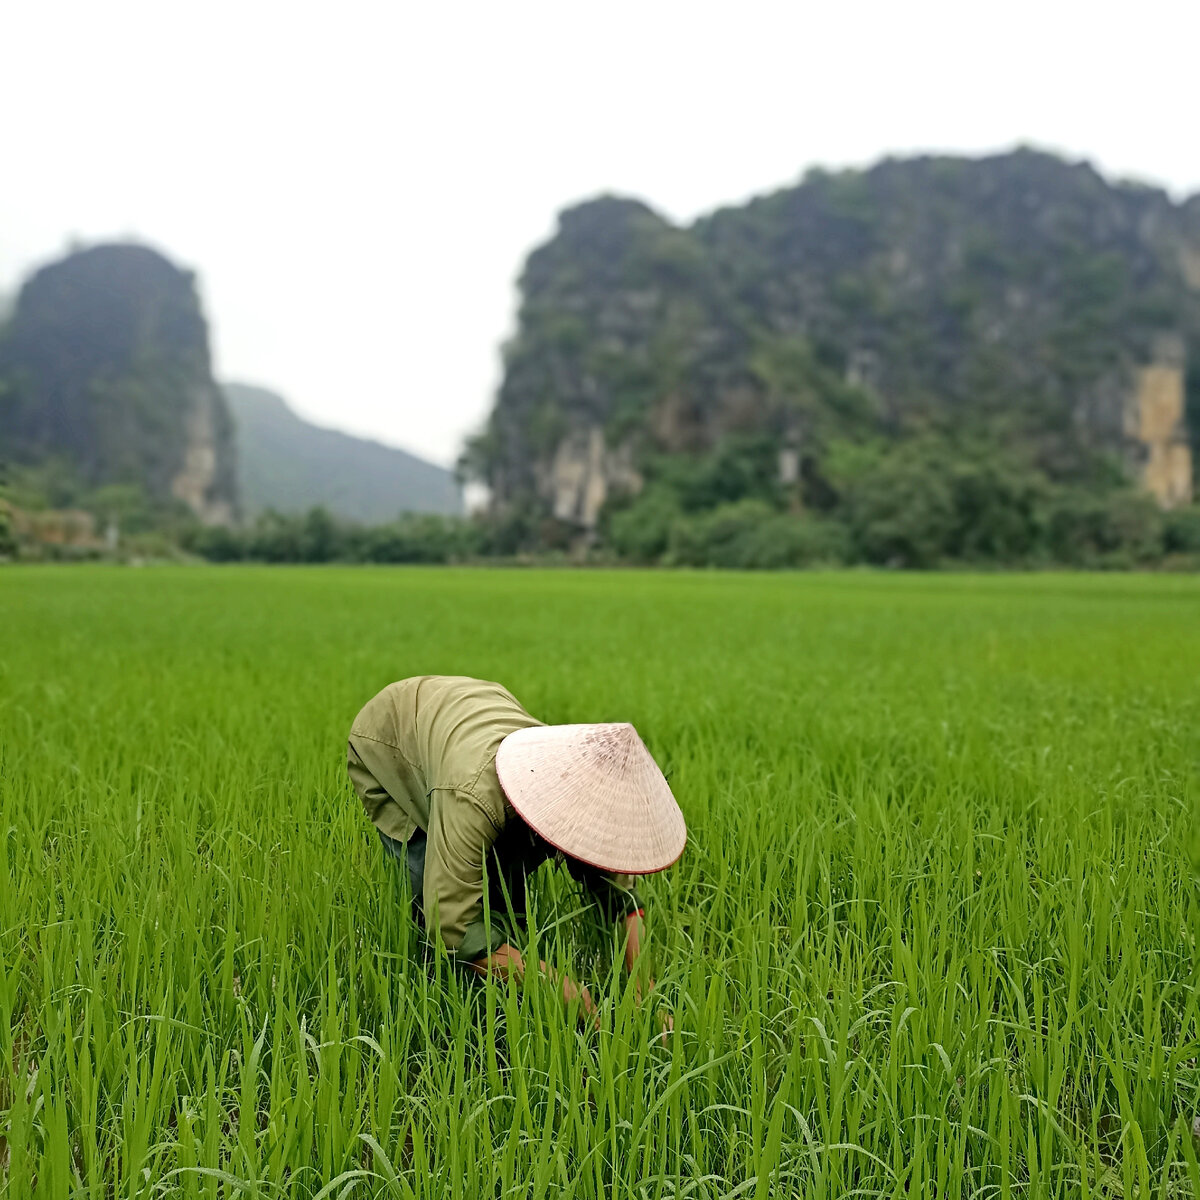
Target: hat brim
(595, 793)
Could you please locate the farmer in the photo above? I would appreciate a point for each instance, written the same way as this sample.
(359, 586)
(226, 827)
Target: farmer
(455, 774)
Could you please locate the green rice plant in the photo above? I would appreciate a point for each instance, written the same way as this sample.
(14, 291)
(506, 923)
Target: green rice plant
(934, 932)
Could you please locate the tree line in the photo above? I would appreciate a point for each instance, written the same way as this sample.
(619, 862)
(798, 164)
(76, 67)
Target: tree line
(920, 504)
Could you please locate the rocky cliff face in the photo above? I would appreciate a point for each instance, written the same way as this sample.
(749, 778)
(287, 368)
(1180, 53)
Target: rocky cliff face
(1156, 430)
(105, 365)
(1021, 297)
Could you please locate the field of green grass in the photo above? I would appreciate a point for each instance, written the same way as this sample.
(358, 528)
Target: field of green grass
(934, 932)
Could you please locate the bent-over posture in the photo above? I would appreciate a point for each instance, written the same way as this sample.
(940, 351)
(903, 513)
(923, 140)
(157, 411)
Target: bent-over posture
(454, 773)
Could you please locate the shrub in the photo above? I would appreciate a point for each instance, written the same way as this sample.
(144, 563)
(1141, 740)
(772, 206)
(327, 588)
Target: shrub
(741, 467)
(642, 531)
(1115, 530)
(8, 538)
(417, 538)
(276, 538)
(785, 540)
(902, 513)
(997, 509)
(217, 543)
(751, 535)
(717, 538)
(1181, 530)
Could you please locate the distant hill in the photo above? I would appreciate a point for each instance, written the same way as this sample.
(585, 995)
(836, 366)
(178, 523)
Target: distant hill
(291, 466)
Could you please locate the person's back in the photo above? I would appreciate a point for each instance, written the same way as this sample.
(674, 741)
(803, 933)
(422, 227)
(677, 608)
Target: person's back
(460, 723)
(428, 734)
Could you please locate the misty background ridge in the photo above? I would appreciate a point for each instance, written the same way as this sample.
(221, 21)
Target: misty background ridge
(290, 465)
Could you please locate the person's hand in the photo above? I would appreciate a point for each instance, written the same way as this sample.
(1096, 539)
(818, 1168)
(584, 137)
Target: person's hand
(637, 989)
(572, 991)
(588, 1012)
(507, 961)
(668, 1026)
(665, 1019)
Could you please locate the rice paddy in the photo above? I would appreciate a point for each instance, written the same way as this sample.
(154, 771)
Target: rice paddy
(934, 932)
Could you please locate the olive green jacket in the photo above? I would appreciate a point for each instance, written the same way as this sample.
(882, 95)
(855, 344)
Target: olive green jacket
(422, 755)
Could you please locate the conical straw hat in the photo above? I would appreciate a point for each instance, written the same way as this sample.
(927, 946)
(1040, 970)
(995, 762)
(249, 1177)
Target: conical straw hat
(594, 792)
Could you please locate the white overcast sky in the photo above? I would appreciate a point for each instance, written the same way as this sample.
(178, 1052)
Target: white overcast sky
(357, 184)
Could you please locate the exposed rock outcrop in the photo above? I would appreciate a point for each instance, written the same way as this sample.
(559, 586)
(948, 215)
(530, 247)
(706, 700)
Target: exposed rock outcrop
(584, 472)
(1157, 427)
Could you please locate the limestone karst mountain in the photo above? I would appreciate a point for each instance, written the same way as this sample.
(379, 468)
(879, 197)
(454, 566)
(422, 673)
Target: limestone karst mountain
(105, 378)
(1020, 298)
(105, 370)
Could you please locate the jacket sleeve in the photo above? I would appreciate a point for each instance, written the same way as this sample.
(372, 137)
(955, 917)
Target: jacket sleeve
(370, 791)
(373, 767)
(461, 835)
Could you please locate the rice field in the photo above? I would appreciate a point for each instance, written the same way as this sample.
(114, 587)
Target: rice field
(934, 932)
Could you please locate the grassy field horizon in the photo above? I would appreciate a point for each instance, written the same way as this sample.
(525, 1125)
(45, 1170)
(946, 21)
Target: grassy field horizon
(934, 931)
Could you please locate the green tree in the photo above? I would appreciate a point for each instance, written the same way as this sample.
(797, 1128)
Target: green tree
(321, 538)
(750, 535)
(217, 543)
(1117, 530)
(276, 538)
(8, 537)
(1181, 530)
(997, 508)
(899, 506)
(718, 538)
(740, 467)
(641, 531)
